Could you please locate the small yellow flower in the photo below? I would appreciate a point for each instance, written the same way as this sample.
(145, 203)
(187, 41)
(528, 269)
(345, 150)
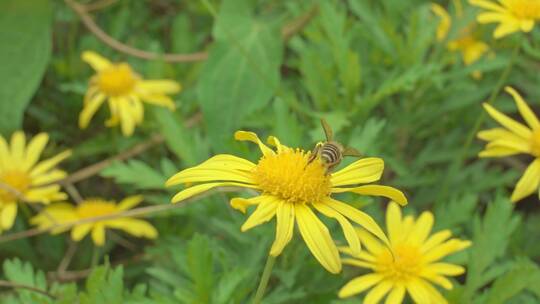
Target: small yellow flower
(291, 187)
(513, 139)
(512, 15)
(470, 47)
(410, 267)
(22, 175)
(63, 213)
(125, 91)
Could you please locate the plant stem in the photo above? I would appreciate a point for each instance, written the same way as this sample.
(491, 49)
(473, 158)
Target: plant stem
(456, 165)
(265, 277)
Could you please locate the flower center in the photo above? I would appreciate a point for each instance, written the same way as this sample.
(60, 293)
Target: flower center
(289, 176)
(535, 143)
(18, 180)
(524, 9)
(93, 208)
(405, 263)
(118, 79)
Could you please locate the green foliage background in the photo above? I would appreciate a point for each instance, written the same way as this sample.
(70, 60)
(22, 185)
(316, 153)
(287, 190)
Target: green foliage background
(372, 69)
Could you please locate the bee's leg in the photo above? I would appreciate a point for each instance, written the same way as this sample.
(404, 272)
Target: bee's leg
(314, 153)
(331, 166)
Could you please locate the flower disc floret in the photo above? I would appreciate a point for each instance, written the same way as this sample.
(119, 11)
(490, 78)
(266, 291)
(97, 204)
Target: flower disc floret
(118, 79)
(289, 176)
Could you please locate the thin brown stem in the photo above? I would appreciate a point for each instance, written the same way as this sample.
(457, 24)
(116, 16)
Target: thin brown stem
(95, 168)
(137, 212)
(68, 256)
(14, 285)
(124, 48)
(287, 31)
(73, 192)
(98, 5)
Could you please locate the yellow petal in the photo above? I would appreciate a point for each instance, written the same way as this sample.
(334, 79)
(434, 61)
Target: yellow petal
(508, 122)
(234, 167)
(376, 190)
(250, 136)
(374, 247)
(498, 152)
(130, 202)
(160, 86)
(204, 174)
(197, 189)
(265, 211)
(524, 109)
(396, 295)
(18, 143)
(48, 164)
(44, 194)
(358, 263)
(435, 240)
(393, 221)
(445, 249)
(241, 204)
(8, 215)
(421, 228)
(526, 25)
(5, 155)
(418, 292)
(34, 149)
(521, 146)
(49, 177)
(317, 238)
(135, 227)
(506, 28)
(98, 234)
(359, 217)
(284, 227)
(359, 284)
(96, 61)
(445, 269)
(348, 229)
(274, 141)
(159, 100)
(362, 171)
(127, 121)
(89, 109)
(378, 292)
(498, 134)
(528, 183)
(80, 231)
(444, 23)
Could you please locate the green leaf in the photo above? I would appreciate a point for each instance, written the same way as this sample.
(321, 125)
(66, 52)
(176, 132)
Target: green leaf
(104, 285)
(490, 240)
(23, 273)
(242, 71)
(518, 278)
(25, 32)
(135, 172)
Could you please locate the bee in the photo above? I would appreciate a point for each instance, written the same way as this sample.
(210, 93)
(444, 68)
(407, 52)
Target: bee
(331, 152)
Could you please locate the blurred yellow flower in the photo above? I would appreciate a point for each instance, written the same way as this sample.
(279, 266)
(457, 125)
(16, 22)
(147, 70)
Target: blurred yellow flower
(290, 188)
(445, 21)
(410, 267)
(64, 213)
(511, 15)
(470, 47)
(513, 139)
(23, 177)
(125, 92)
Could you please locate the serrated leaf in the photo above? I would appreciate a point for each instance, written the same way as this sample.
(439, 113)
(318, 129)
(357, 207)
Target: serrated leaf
(518, 278)
(135, 172)
(25, 32)
(23, 273)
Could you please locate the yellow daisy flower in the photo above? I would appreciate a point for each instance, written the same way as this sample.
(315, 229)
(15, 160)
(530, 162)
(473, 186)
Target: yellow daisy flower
(470, 47)
(63, 213)
(511, 15)
(22, 175)
(125, 92)
(291, 187)
(513, 139)
(410, 265)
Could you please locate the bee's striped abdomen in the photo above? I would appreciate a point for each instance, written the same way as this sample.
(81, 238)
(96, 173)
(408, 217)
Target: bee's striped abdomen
(330, 153)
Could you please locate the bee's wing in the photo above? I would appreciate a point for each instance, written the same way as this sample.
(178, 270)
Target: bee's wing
(327, 130)
(348, 151)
